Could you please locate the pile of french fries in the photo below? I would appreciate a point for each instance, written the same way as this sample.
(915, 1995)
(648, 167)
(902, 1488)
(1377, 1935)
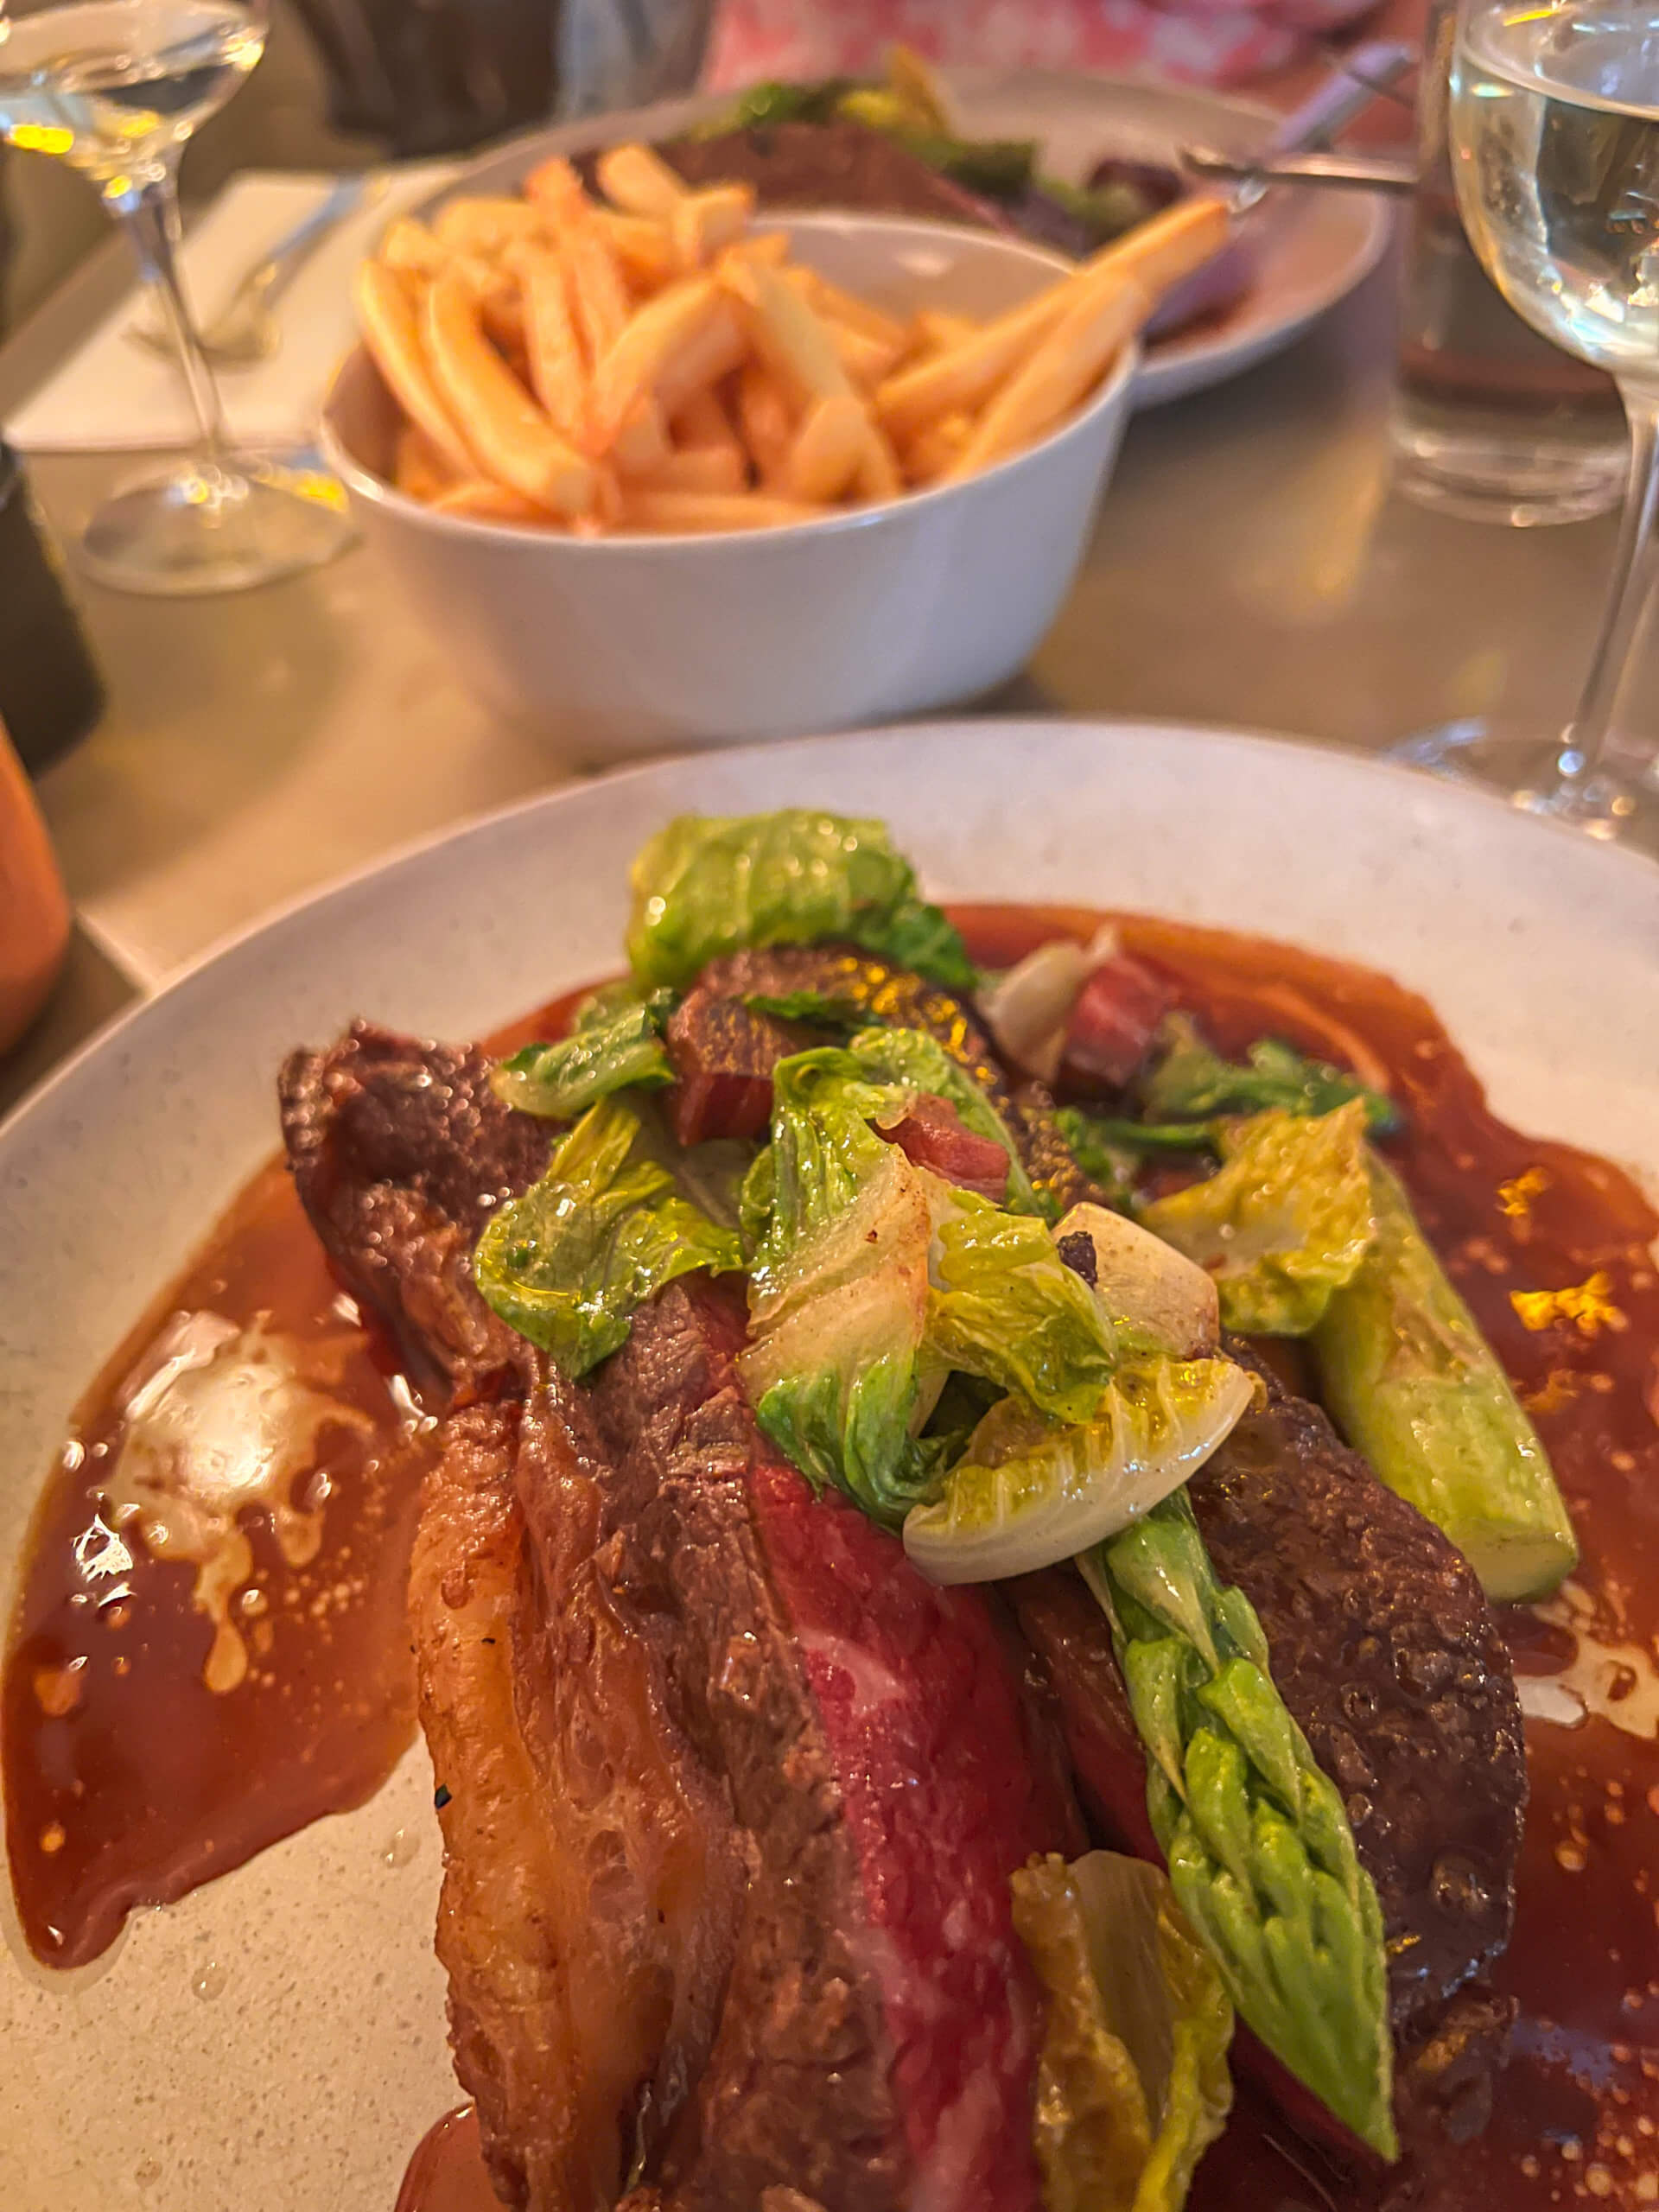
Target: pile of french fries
(647, 360)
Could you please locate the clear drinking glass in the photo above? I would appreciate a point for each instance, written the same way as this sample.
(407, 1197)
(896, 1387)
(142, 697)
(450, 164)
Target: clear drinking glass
(1554, 137)
(1490, 422)
(116, 88)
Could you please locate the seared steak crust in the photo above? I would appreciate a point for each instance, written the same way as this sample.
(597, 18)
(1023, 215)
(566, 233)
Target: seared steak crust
(731, 1794)
(1388, 1656)
(829, 165)
(399, 1150)
(904, 999)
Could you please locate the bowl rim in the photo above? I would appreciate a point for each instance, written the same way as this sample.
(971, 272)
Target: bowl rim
(366, 484)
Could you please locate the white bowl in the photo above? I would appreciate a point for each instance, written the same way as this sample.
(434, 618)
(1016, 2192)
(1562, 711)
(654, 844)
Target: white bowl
(630, 645)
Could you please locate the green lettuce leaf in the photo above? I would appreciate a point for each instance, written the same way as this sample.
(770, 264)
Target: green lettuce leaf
(1132, 2082)
(1102, 1153)
(1030, 1490)
(615, 1043)
(817, 1008)
(567, 1263)
(1009, 1308)
(1191, 1083)
(1285, 1220)
(912, 1059)
(822, 1150)
(709, 885)
(834, 1366)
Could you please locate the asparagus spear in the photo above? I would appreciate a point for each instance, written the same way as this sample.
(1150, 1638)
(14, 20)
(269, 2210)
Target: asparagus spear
(1415, 1387)
(1261, 1855)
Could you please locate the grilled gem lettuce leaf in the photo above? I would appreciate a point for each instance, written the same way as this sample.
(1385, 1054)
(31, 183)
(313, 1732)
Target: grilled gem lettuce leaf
(1029, 1490)
(1285, 1220)
(1132, 2083)
(1413, 1385)
(1261, 1855)
(839, 1288)
(567, 1263)
(1191, 1083)
(708, 885)
(912, 1059)
(615, 1043)
(1009, 1309)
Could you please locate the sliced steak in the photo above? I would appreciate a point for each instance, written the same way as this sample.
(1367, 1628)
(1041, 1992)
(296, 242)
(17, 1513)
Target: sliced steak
(860, 983)
(724, 1054)
(730, 1799)
(1112, 1025)
(878, 2043)
(933, 1134)
(593, 1876)
(1387, 1655)
(399, 1151)
(840, 164)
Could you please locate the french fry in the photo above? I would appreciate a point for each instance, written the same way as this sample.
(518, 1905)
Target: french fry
(964, 375)
(878, 474)
(697, 511)
(638, 181)
(513, 438)
(1155, 254)
(824, 454)
(640, 362)
(486, 226)
(858, 314)
(628, 369)
(767, 418)
(791, 337)
(486, 501)
(719, 347)
(1169, 246)
(419, 470)
(599, 298)
(768, 248)
(558, 375)
(409, 245)
(643, 247)
(933, 331)
(1068, 362)
(641, 446)
(933, 450)
(702, 223)
(699, 469)
(501, 303)
(386, 316)
(554, 185)
(703, 422)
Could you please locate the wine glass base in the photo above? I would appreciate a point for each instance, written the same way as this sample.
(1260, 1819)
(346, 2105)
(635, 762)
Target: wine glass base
(1536, 776)
(210, 527)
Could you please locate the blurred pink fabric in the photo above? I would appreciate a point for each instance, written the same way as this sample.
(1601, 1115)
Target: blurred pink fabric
(1199, 41)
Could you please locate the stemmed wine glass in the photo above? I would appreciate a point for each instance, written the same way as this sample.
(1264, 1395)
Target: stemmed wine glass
(116, 88)
(1554, 135)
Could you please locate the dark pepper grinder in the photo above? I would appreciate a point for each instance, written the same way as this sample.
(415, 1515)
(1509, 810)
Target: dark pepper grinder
(51, 693)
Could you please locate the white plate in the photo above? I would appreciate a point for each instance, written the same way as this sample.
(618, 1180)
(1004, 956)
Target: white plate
(1311, 248)
(308, 2079)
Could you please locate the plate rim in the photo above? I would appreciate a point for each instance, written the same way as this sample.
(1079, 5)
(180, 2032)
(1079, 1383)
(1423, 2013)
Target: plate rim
(212, 1094)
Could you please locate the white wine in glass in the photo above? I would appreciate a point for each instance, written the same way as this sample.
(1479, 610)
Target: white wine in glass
(1554, 133)
(115, 88)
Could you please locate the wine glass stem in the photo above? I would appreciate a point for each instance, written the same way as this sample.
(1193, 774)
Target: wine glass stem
(150, 212)
(1635, 566)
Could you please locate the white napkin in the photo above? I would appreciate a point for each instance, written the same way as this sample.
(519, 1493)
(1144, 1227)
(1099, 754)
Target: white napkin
(111, 396)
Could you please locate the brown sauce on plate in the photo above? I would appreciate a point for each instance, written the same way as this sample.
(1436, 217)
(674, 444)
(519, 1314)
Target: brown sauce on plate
(128, 1780)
